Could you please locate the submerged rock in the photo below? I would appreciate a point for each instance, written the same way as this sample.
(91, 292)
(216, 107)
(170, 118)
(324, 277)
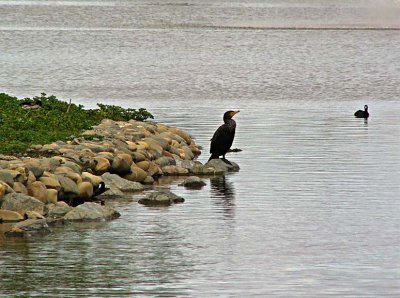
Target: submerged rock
(28, 227)
(193, 182)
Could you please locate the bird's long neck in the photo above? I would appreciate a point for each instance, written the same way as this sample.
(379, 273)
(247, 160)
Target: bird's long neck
(230, 122)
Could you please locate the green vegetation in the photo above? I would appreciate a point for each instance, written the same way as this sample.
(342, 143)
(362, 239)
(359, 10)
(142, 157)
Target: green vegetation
(55, 120)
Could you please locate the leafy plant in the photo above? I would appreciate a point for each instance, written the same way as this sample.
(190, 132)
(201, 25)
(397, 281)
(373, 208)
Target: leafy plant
(21, 127)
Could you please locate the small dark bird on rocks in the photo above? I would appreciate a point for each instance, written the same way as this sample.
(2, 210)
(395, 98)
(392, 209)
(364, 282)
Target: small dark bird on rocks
(361, 113)
(223, 137)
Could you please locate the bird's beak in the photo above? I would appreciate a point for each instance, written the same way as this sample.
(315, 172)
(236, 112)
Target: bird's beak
(235, 112)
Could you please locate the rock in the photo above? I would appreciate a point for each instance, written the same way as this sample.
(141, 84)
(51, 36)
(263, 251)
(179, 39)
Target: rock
(174, 171)
(8, 216)
(161, 198)
(91, 212)
(7, 177)
(28, 227)
(193, 182)
(33, 215)
(137, 174)
(148, 180)
(102, 165)
(18, 187)
(52, 196)
(68, 186)
(36, 170)
(85, 190)
(38, 190)
(219, 165)
(59, 211)
(22, 203)
(3, 189)
(51, 182)
(115, 181)
(121, 164)
(165, 161)
(94, 179)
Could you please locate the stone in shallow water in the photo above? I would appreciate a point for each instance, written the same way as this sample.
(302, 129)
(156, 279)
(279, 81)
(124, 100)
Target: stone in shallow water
(91, 211)
(161, 198)
(220, 165)
(28, 227)
(193, 182)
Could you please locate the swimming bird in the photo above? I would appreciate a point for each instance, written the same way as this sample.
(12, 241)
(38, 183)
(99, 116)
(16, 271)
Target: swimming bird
(361, 113)
(223, 137)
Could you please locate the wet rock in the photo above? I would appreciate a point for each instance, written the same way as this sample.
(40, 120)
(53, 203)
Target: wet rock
(22, 203)
(161, 198)
(90, 211)
(28, 228)
(193, 182)
(220, 165)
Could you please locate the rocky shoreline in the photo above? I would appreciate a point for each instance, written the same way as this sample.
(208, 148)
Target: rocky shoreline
(74, 180)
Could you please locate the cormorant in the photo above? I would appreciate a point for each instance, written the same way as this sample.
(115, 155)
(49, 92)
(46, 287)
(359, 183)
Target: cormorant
(361, 113)
(223, 137)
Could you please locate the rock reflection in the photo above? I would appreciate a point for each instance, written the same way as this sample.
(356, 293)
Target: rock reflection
(223, 192)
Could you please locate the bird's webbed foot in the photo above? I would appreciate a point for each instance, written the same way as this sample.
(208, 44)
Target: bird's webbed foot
(226, 161)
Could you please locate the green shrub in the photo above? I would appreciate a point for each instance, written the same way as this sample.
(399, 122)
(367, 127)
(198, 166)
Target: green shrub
(55, 120)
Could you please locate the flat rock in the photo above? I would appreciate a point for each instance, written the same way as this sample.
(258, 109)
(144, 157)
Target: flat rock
(161, 198)
(219, 165)
(28, 227)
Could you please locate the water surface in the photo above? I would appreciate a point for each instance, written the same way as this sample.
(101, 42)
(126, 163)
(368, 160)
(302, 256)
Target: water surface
(313, 210)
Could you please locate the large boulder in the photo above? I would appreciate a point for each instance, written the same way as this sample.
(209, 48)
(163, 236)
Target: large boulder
(21, 203)
(90, 211)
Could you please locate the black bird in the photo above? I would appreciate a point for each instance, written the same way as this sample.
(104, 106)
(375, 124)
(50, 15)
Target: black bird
(100, 189)
(361, 113)
(223, 137)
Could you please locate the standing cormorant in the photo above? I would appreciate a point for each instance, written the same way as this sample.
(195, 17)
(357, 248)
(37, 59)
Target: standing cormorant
(361, 113)
(223, 137)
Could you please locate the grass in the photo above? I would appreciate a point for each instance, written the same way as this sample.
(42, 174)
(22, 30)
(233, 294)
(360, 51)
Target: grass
(56, 120)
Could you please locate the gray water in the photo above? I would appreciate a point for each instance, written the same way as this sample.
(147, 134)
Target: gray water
(314, 210)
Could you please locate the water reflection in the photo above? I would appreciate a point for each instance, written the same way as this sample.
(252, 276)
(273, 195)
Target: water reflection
(223, 193)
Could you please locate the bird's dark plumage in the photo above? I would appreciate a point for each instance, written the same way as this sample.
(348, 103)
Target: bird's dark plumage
(223, 137)
(361, 113)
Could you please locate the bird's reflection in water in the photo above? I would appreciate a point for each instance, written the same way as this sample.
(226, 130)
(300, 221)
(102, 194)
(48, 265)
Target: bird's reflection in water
(223, 194)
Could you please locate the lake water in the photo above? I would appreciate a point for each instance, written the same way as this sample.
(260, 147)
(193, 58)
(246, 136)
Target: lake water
(314, 210)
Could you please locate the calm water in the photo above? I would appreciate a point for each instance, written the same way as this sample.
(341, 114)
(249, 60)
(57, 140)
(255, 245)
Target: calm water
(314, 210)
